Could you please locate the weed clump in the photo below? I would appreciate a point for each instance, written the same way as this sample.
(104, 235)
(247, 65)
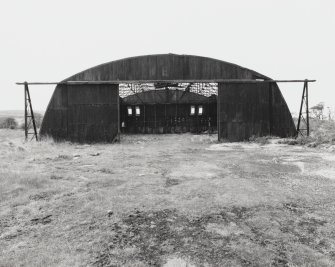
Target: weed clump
(8, 123)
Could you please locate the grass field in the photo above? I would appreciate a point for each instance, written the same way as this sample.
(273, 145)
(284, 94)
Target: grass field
(165, 200)
(18, 115)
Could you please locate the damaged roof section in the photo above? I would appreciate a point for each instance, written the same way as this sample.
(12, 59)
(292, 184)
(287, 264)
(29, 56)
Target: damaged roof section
(167, 97)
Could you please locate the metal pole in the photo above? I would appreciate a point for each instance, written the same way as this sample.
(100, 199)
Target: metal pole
(32, 113)
(25, 111)
(307, 109)
(300, 112)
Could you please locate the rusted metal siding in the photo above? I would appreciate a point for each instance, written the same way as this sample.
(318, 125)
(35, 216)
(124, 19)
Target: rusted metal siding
(85, 113)
(246, 110)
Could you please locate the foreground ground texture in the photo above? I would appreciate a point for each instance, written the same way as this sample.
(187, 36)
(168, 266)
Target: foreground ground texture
(167, 200)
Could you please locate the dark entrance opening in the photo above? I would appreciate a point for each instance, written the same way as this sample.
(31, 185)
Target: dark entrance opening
(159, 108)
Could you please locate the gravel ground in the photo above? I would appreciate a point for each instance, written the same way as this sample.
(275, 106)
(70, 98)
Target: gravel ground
(165, 200)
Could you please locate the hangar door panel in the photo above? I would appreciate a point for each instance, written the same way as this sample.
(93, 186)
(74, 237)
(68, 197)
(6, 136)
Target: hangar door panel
(243, 111)
(93, 113)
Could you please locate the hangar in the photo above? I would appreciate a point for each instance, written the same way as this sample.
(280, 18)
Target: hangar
(166, 93)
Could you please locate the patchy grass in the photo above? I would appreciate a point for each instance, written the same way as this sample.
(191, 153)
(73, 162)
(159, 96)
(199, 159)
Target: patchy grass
(165, 199)
(263, 140)
(322, 134)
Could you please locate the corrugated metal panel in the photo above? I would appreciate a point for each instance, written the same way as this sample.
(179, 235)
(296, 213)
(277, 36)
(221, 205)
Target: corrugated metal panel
(246, 110)
(88, 113)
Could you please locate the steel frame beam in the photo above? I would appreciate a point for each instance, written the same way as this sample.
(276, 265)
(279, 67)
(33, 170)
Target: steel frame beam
(168, 81)
(28, 108)
(304, 102)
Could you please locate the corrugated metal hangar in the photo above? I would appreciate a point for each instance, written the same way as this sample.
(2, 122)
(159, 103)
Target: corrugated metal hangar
(166, 93)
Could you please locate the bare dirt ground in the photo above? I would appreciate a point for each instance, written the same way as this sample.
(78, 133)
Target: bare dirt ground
(165, 200)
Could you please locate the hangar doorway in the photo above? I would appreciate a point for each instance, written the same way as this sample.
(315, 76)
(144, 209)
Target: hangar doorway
(162, 108)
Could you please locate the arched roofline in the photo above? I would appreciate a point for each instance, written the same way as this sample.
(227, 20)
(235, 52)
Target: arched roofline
(214, 60)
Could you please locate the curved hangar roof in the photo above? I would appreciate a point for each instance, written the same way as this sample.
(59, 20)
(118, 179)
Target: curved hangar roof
(165, 67)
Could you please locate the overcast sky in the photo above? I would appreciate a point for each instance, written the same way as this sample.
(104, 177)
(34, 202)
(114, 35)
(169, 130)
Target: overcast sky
(51, 40)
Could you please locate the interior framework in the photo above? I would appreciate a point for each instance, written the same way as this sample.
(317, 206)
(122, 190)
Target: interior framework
(206, 89)
(168, 107)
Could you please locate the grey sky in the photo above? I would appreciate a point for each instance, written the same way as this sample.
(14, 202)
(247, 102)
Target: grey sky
(50, 40)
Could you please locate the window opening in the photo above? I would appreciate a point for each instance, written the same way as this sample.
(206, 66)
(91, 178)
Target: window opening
(138, 111)
(130, 111)
(192, 110)
(200, 110)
